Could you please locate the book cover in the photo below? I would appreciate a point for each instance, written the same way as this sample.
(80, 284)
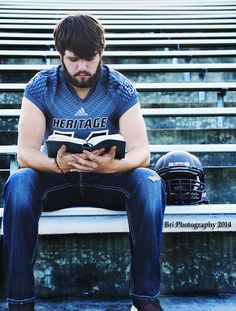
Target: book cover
(77, 145)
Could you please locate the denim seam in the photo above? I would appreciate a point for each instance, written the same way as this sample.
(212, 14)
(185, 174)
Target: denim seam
(54, 189)
(19, 301)
(33, 259)
(107, 188)
(146, 297)
(130, 224)
(85, 185)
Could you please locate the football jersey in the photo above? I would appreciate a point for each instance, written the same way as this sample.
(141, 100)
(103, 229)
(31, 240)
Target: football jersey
(66, 113)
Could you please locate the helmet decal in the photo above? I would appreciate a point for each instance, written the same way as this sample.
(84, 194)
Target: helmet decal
(178, 164)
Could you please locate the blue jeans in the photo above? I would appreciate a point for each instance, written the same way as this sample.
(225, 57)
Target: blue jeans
(28, 193)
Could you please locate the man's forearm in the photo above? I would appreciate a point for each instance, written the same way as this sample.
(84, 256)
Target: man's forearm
(137, 157)
(33, 158)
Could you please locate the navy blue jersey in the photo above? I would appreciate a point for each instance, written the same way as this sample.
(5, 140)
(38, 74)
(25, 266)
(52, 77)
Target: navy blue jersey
(65, 112)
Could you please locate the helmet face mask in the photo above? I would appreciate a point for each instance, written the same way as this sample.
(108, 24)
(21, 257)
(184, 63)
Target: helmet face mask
(183, 176)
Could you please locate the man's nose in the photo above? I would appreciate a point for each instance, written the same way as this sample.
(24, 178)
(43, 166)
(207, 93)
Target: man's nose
(81, 65)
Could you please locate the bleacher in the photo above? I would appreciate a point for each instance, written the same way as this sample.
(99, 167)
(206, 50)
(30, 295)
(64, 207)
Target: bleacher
(180, 55)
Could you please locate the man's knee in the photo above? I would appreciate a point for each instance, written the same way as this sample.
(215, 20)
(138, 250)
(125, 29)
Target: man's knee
(148, 189)
(147, 179)
(20, 180)
(19, 188)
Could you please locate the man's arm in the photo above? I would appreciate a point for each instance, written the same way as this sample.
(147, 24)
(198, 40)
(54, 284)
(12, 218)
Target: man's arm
(132, 128)
(32, 125)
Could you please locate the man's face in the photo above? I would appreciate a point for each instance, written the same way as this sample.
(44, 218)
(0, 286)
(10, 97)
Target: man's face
(81, 72)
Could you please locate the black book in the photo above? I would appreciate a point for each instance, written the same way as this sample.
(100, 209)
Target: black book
(77, 145)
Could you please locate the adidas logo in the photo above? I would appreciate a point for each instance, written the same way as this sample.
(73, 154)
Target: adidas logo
(80, 112)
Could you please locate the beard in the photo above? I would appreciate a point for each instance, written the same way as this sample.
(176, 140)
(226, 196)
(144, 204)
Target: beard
(90, 82)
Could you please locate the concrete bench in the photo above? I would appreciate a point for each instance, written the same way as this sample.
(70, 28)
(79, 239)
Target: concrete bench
(178, 218)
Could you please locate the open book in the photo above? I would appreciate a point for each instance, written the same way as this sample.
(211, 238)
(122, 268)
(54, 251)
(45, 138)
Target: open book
(77, 145)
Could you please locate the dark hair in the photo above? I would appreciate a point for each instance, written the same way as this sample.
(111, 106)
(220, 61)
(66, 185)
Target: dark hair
(81, 34)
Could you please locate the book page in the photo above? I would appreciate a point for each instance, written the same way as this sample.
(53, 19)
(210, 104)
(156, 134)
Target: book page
(98, 139)
(64, 138)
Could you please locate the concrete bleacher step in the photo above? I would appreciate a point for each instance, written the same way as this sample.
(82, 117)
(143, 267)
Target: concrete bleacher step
(193, 124)
(144, 54)
(160, 112)
(129, 57)
(170, 303)
(118, 15)
(123, 5)
(172, 94)
(128, 21)
(121, 44)
(169, 10)
(105, 259)
(139, 72)
(211, 67)
(126, 36)
(77, 220)
(195, 148)
(146, 87)
(128, 28)
(179, 5)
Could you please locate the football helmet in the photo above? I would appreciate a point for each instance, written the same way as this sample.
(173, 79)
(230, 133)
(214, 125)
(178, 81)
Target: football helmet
(184, 178)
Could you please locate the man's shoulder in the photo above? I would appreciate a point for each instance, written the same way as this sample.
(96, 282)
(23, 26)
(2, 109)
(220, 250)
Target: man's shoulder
(113, 75)
(118, 82)
(46, 75)
(115, 78)
(43, 79)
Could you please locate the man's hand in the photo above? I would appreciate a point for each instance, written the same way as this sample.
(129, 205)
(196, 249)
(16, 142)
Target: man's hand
(64, 158)
(96, 161)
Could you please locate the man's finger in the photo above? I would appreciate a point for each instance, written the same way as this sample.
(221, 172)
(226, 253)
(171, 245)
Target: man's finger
(61, 151)
(99, 151)
(112, 151)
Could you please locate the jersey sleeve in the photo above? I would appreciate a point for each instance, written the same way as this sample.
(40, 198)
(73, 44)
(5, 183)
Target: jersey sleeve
(35, 90)
(128, 96)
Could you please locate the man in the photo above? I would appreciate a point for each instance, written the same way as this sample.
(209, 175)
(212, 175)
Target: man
(102, 101)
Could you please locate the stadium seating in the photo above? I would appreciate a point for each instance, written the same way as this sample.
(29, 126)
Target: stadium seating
(180, 56)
